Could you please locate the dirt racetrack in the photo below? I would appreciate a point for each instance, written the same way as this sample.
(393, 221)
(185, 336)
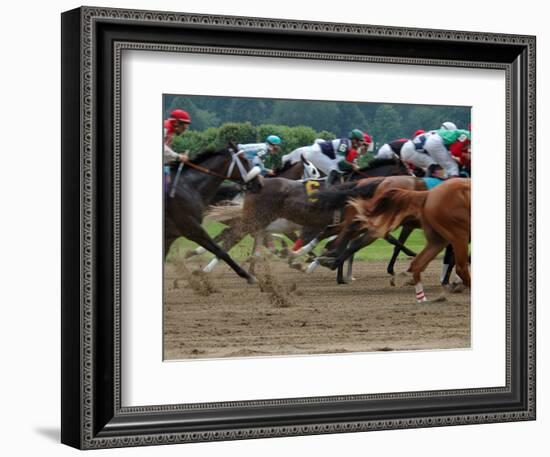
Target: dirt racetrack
(220, 315)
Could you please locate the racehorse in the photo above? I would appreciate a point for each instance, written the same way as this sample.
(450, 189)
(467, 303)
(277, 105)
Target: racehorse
(351, 237)
(192, 188)
(303, 169)
(282, 198)
(444, 215)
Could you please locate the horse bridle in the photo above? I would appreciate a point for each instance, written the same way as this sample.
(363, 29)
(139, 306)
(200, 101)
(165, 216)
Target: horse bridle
(234, 160)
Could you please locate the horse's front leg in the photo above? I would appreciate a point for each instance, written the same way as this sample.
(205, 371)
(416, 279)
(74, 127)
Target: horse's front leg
(406, 230)
(195, 232)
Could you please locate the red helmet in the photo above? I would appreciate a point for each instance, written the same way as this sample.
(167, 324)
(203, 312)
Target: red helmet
(418, 132)
(181, 115)
(367, 137)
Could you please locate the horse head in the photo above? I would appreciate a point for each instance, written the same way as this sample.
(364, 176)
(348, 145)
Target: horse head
(310, 170)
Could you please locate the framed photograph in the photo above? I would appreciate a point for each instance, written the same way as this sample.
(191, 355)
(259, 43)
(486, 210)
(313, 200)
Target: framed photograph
(275, 228)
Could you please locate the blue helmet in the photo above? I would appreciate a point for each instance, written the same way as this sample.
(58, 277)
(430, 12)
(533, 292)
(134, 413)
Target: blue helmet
(273, 139)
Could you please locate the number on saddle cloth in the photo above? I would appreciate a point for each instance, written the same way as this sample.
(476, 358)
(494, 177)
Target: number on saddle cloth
(312, 187)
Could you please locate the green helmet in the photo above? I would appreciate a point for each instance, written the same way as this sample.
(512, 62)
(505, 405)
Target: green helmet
(356, 134)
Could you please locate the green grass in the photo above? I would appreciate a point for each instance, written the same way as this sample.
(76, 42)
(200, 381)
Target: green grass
(379, 250)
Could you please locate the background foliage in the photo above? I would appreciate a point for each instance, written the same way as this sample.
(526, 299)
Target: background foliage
(299, 122)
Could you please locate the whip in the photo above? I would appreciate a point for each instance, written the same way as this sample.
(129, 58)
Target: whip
(176, 179)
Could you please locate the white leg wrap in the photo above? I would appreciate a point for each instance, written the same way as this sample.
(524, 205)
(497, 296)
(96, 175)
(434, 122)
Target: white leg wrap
(200, 250)
(308, 247)
(420, 296)
(312, 266)
(208, 268)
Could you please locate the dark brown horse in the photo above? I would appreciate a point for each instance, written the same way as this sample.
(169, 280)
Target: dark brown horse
(444, 215)
(193, 190)
(286, 199)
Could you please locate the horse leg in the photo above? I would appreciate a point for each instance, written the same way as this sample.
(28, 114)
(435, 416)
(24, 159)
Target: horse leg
(448, 264)
(460, 248)
(195, 232)
(333, 258)
(434, 246)
(340, 279)
(406, 230)
(349, 272)
(356, 245)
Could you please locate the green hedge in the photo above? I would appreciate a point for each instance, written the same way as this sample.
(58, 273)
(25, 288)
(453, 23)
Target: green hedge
(244, 132)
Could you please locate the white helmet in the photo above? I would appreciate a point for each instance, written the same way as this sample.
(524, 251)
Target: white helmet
(449, 125)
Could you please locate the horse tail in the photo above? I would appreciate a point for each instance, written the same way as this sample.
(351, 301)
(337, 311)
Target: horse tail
(224, 212)
(387, 211)
(336, 198)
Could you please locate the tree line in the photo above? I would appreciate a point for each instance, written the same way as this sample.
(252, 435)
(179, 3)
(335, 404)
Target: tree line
(312, 119)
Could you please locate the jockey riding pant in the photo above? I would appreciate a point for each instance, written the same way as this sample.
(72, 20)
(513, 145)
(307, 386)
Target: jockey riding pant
(385, 152)
(436, 149)
(417, 157)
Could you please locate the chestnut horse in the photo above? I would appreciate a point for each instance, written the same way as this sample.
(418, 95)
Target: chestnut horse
(351, 236)
(444, 215)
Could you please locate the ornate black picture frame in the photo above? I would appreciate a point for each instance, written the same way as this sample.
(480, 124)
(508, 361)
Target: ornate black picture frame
(92, 42)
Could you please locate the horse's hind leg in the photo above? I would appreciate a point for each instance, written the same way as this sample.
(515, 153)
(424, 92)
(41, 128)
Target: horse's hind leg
(461, 259)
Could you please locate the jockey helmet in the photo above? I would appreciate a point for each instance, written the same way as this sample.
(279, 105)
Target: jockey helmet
(181, 115)
(273, 139)
(418, 133)
(449, 126)
(367, 138)
(356, 134)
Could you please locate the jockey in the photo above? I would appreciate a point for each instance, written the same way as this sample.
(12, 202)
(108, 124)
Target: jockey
(354, 155)
(440, 144)
(391, 150)
(175, 125)
(330, 156)
(413, 153)
(255, 152)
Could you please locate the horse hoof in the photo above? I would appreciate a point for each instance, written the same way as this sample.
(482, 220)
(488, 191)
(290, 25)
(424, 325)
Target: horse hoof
(296, 266)
(392, 281)
(252, 280)
(402, 279)
(457, 288)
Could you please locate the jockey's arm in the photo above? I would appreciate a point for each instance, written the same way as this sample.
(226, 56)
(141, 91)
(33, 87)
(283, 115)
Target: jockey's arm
(172, 156)
(169, 154)
(257, 162)
(346, 166)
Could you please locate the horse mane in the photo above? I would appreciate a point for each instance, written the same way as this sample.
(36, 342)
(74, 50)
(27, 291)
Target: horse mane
(337, 196)
(377, 163)
(389, 209)
(286, 166)
(209, 153)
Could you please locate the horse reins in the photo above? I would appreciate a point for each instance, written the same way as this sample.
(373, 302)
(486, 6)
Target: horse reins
(208, 171)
